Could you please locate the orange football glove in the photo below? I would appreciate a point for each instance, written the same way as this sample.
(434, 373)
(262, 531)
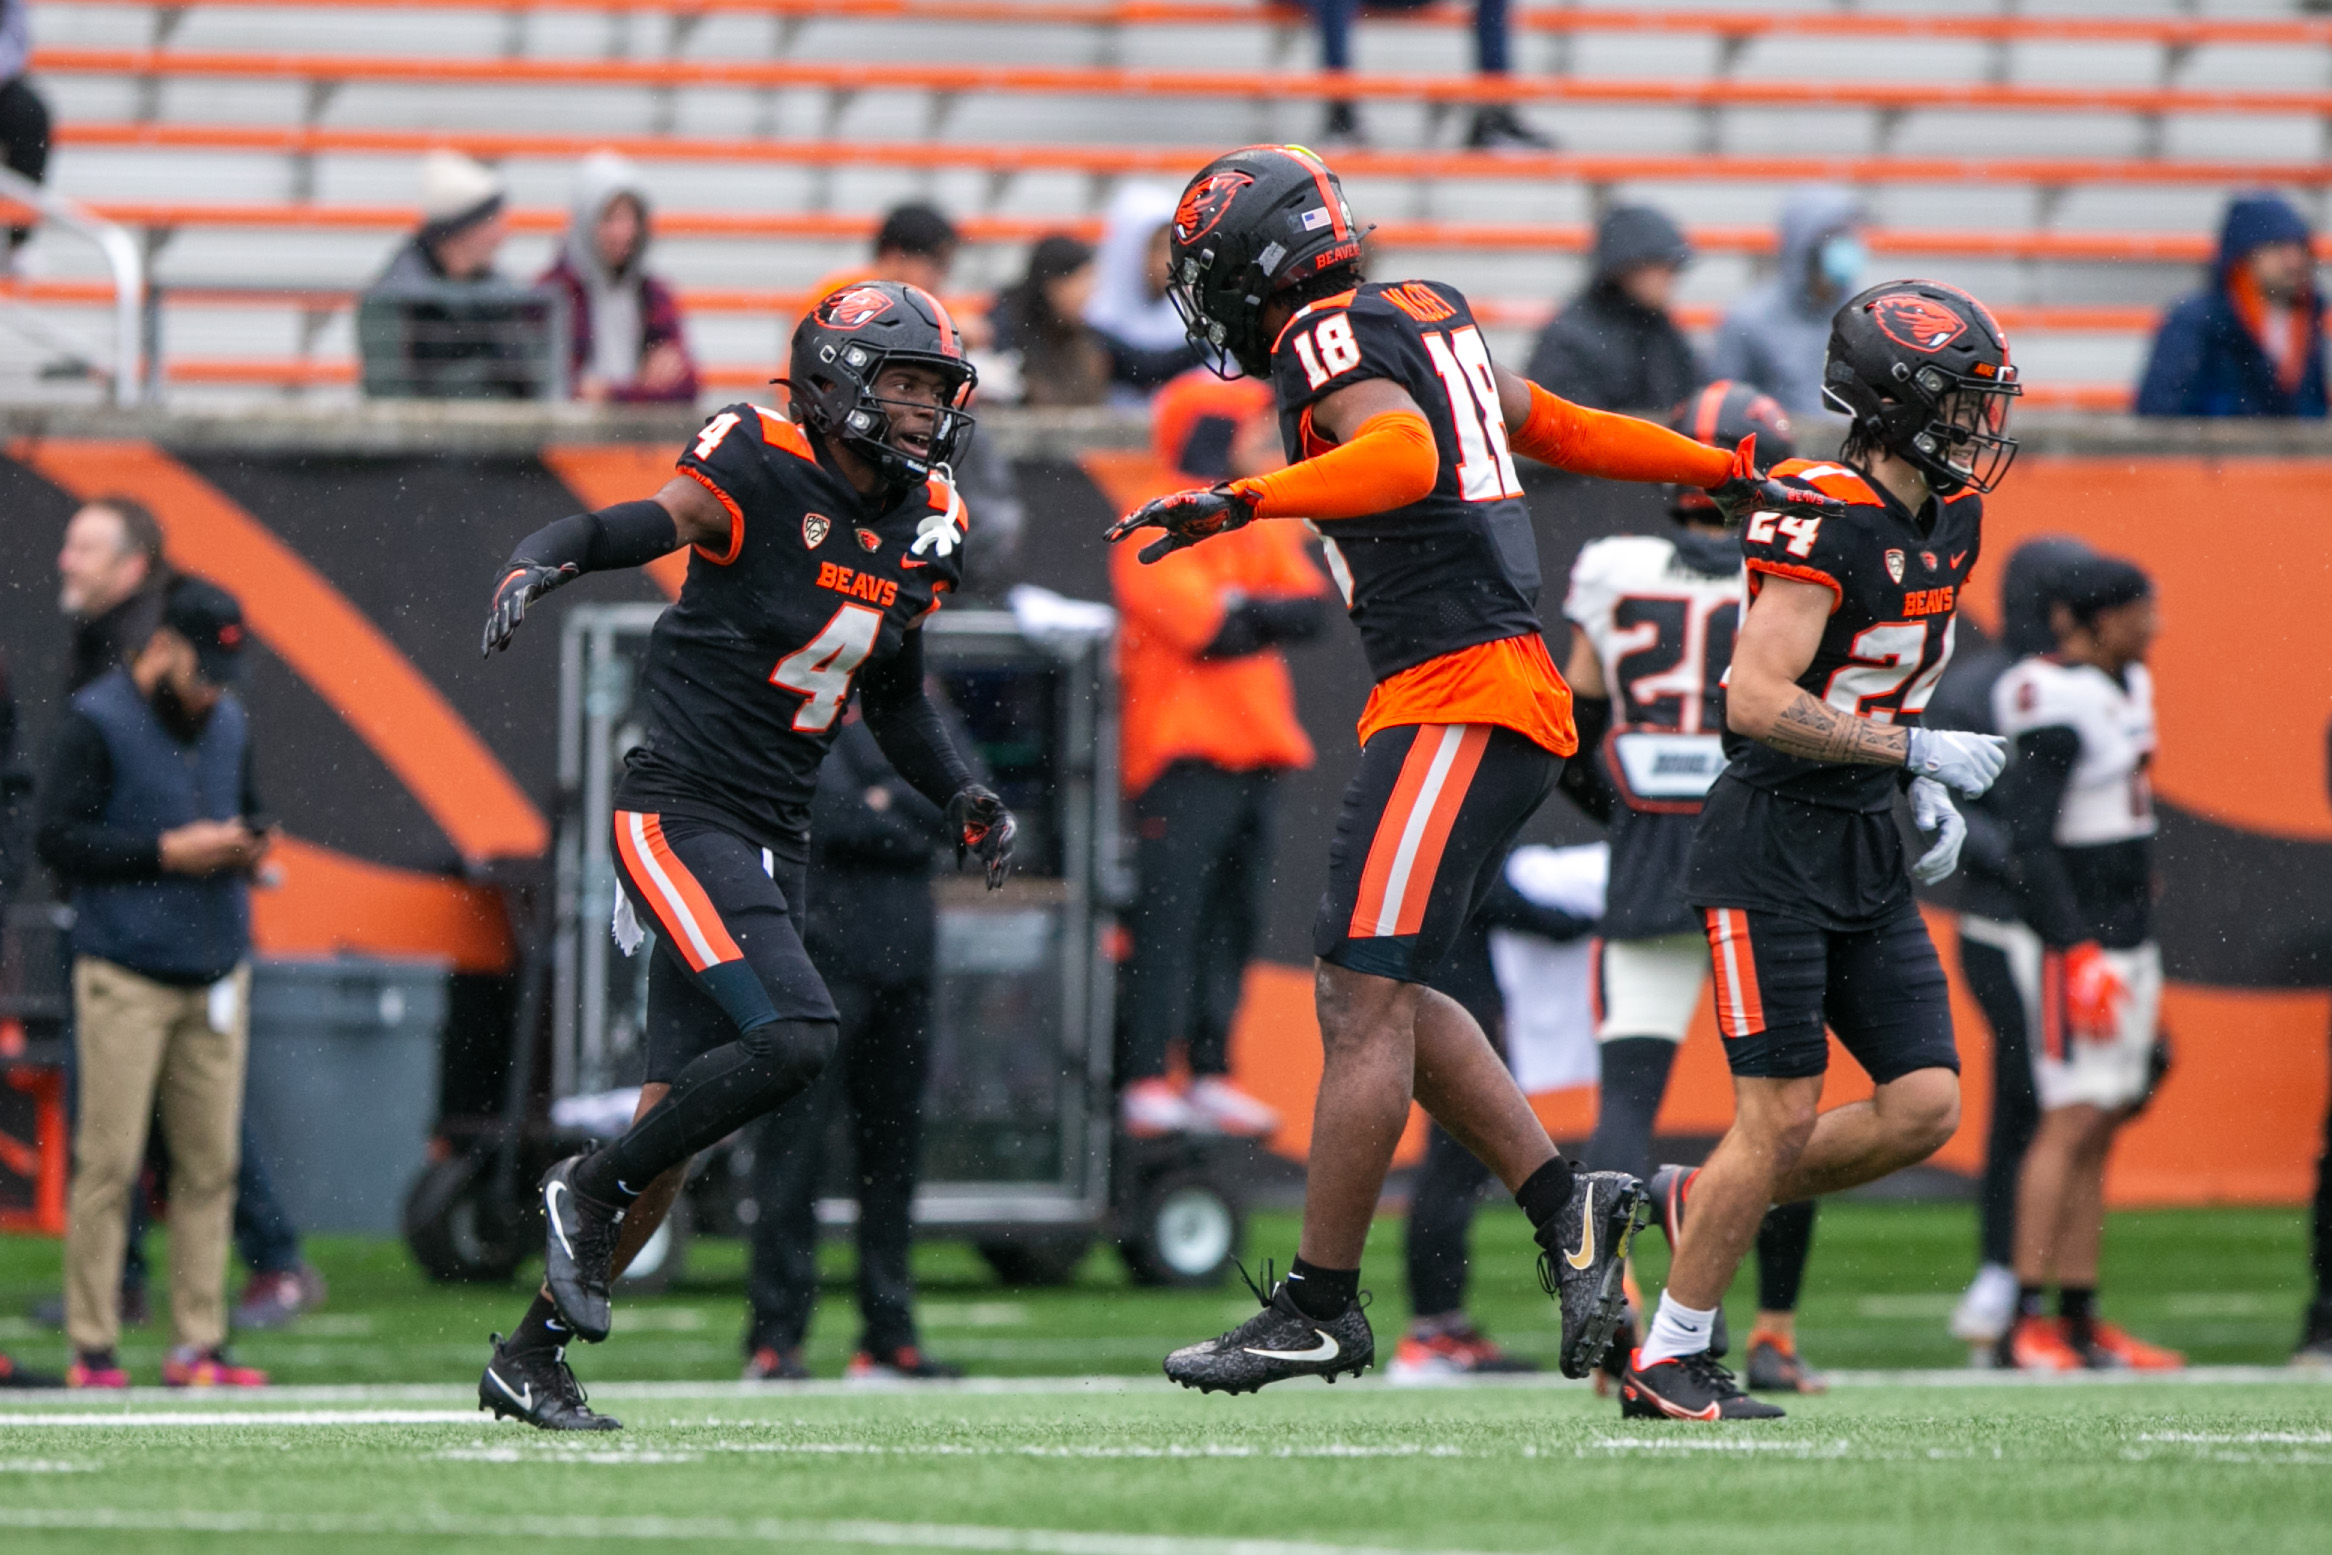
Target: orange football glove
(2094, 994)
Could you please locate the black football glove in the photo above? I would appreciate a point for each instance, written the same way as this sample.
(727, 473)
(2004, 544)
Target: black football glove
(522, 584)
(1747, 490)
(1187, 517)
(980, 824)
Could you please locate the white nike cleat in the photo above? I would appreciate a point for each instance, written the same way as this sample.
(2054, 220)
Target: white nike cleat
(1987, 1307)
(1224, 1108)
(1277, 1343)
(1151, 1109)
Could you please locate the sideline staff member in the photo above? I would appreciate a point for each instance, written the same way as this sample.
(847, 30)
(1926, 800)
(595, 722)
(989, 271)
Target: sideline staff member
(147, 818)
(1209, 720)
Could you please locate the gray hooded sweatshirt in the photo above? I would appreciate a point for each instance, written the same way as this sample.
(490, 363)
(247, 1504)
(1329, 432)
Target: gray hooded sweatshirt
(1775, 336)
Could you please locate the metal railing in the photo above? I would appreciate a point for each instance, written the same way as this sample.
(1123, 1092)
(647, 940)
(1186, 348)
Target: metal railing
(121, 257)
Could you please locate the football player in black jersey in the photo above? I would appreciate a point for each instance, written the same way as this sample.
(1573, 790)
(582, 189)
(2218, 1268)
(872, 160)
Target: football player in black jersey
(1796, 864)
(820, 540)
(1403, 435)
(1654, 618)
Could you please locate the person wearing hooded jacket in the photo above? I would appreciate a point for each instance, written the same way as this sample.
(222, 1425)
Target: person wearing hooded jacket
(1777, 335)
(1130, 308)
(2251, 343)
(626, 341)
(1616, 346)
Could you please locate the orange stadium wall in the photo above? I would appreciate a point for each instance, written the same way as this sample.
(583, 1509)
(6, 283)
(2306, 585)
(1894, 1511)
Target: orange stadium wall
(417, 784)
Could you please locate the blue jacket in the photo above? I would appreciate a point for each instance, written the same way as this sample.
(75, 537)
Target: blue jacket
(124, 780)
(2205, 361)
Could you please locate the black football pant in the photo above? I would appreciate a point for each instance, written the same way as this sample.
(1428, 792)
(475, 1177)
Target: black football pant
(1203, 851)
(1635, 1079)
(24, 137)
(2015, 1107)
(877, 1075)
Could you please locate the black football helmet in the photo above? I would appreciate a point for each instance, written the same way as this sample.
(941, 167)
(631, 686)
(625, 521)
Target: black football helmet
(842, 346)
(1923, 370)
(1255, 224)
(1720, 415)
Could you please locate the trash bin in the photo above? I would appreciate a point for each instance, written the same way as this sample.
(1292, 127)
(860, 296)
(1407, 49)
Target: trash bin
(343, 1083)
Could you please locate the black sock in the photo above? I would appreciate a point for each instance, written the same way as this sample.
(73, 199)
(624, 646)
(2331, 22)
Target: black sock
(1321, 1293)
(540, 1329)
(1544, 1192)
(1785, 1239)
(1635, 1078)
(2032, 1300)
(2077, 1305)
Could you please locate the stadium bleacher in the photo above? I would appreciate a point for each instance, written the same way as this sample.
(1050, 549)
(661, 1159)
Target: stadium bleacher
(2069, 163)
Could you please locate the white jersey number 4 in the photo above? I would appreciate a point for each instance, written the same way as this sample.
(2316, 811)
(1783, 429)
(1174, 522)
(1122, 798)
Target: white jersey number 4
(822, 668)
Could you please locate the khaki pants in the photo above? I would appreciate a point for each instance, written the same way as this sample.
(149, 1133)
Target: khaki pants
(138, 1040)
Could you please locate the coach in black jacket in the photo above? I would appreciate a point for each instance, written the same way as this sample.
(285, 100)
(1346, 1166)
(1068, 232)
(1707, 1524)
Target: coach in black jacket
(873, 935)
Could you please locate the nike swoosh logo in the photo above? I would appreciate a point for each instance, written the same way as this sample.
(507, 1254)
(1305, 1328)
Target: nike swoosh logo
(1325, 1350)
(523, 1400)
(551, 1204)
(1957, 557)
(1586, 1253)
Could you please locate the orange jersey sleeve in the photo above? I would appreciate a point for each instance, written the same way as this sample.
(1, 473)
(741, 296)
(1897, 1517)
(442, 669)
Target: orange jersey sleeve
(1618, 448)
(1390, 462)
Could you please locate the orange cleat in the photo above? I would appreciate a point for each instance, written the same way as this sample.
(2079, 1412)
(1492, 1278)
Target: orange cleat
(2038, 1344)
(2114, 1346)
(96, 1371)
(187, 1367)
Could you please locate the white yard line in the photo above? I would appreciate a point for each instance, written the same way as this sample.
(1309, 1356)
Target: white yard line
(766, 1530)
(187, 1417)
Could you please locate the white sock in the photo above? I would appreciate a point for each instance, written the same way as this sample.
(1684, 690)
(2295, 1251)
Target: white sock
(1677, 1330)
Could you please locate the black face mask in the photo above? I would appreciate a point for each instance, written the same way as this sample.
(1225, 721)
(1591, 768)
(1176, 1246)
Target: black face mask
(185, 724)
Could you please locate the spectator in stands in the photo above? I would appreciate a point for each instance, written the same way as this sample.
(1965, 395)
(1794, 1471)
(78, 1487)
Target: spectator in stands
(24, 117)
(1777, 335)
(916, 244)
(1495, 126)
(1042, 318)
(1147, 343)
(147, 815)
(627, 344)
(462, 224)
(2251, 343)
(1209, 724)
(1616, 347)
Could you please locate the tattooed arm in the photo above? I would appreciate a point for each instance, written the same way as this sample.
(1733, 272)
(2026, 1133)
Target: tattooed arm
(1763, 700)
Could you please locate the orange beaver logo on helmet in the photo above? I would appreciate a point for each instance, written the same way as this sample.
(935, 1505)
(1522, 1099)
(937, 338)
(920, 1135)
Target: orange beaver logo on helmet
(1205, 203)
(1921, 323)
(850, 309)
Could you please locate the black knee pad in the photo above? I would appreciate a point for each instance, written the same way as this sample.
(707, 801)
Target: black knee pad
(791, 1053)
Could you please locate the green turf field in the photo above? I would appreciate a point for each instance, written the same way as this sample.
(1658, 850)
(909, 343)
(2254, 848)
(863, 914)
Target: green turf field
(376, 1446)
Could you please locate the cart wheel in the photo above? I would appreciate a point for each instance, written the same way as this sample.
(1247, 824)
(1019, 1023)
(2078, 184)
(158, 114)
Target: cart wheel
(1050, 1259)
(457, 1234)
(663, 1262)
(1184, 1231)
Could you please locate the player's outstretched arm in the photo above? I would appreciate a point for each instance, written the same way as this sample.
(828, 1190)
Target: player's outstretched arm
(1612, 447)
(629, 534)
(1763, 700)
(899, 713)
(1385, 458)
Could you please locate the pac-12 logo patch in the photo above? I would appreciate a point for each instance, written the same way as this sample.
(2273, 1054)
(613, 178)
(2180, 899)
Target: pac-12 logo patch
(1918, 322)
(815, 528)
(1205, 203)
(853, 308)
(1894, 564)
(868, 540)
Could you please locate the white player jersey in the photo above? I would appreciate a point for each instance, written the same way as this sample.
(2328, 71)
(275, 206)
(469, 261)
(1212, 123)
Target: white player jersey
(2108, 797)
(1660, 612)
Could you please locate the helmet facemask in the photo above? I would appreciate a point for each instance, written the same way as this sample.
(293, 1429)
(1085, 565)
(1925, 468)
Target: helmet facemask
(872, 425)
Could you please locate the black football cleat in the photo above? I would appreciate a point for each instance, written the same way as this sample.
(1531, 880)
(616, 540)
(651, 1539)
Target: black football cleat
(578, 1252)
(1690, 1387)
(1776, 1367)
(1275, 1344)
(1583, 1263)
(537, 1387)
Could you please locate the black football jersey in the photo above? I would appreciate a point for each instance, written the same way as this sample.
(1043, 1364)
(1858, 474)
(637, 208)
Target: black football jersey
(748, 673)
(1458, 567)
(1894, 579)
(1660, 612)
